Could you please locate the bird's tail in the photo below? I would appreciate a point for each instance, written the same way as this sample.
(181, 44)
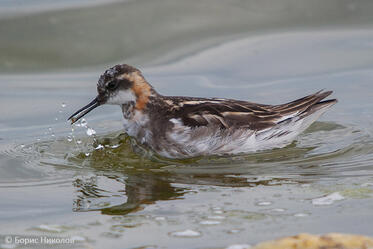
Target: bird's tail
(298, 116)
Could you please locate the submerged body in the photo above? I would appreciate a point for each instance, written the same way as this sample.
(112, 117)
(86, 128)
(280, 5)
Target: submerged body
(180, 127)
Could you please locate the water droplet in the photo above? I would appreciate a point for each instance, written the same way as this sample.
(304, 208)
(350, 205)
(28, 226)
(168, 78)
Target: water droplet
(87, 154)
(69, 138)
(83, 122)
(53, 135)
(186, 233)
(22, 146)
(91, 132)
(50, 129)
(78, 141)
(56, 119)
(115, 146)
(63, 105)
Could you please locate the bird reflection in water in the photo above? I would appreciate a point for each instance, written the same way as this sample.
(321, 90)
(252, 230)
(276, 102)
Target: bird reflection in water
(114, 188)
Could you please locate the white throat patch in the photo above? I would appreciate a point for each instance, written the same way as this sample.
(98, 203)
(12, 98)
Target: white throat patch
(122, 97)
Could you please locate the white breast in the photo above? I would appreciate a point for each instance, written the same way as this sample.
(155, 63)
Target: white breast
(136, 126)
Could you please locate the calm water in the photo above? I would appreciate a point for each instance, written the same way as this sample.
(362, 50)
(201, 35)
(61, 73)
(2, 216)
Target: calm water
(65, 181)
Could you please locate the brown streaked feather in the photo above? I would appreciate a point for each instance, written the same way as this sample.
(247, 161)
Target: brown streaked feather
(302, 104)
(228, 113)
(318, 106)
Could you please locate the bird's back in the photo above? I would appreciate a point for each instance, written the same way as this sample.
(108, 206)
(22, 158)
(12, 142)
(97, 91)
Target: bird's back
(199, 126)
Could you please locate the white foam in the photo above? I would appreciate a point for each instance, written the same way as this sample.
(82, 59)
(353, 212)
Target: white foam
(209, 222)
(239, 246)
(186, 233)
(99, 147)
(278, 210)
(51, 228)
(216, 217)
(264, 203)
(328, 199)
(160, 218)
(300, 215)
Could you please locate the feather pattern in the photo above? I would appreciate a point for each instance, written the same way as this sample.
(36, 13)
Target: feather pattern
(190, 127)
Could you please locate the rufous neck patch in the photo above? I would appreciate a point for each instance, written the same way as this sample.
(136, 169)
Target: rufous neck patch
(142, 90)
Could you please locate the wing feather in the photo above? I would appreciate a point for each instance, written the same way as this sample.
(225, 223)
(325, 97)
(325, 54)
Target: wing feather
(228, 113)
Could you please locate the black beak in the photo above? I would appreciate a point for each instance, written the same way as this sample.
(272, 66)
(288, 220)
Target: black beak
(83, 111)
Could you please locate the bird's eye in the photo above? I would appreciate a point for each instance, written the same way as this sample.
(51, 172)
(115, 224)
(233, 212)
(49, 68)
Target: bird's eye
(112, 85)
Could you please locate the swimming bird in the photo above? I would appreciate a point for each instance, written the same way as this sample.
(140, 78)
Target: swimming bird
(181, 127)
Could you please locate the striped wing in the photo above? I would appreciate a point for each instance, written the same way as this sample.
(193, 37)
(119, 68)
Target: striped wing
(228, 113)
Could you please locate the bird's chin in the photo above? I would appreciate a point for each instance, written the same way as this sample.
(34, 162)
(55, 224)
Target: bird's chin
(84, 110)
(121, 98)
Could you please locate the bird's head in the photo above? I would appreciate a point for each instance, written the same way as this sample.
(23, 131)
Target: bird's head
(119, 85)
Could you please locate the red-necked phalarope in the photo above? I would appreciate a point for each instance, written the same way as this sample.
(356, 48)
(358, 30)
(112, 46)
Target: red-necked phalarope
(179, 127)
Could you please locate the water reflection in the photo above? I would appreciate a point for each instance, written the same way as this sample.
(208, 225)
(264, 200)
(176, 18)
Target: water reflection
(120, 195)
(133, 193)
(116, 187)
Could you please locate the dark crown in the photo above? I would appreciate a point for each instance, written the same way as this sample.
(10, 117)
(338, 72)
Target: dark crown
(115, 71)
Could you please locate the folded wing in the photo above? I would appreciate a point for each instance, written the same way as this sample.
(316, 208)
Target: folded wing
(235, 114)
